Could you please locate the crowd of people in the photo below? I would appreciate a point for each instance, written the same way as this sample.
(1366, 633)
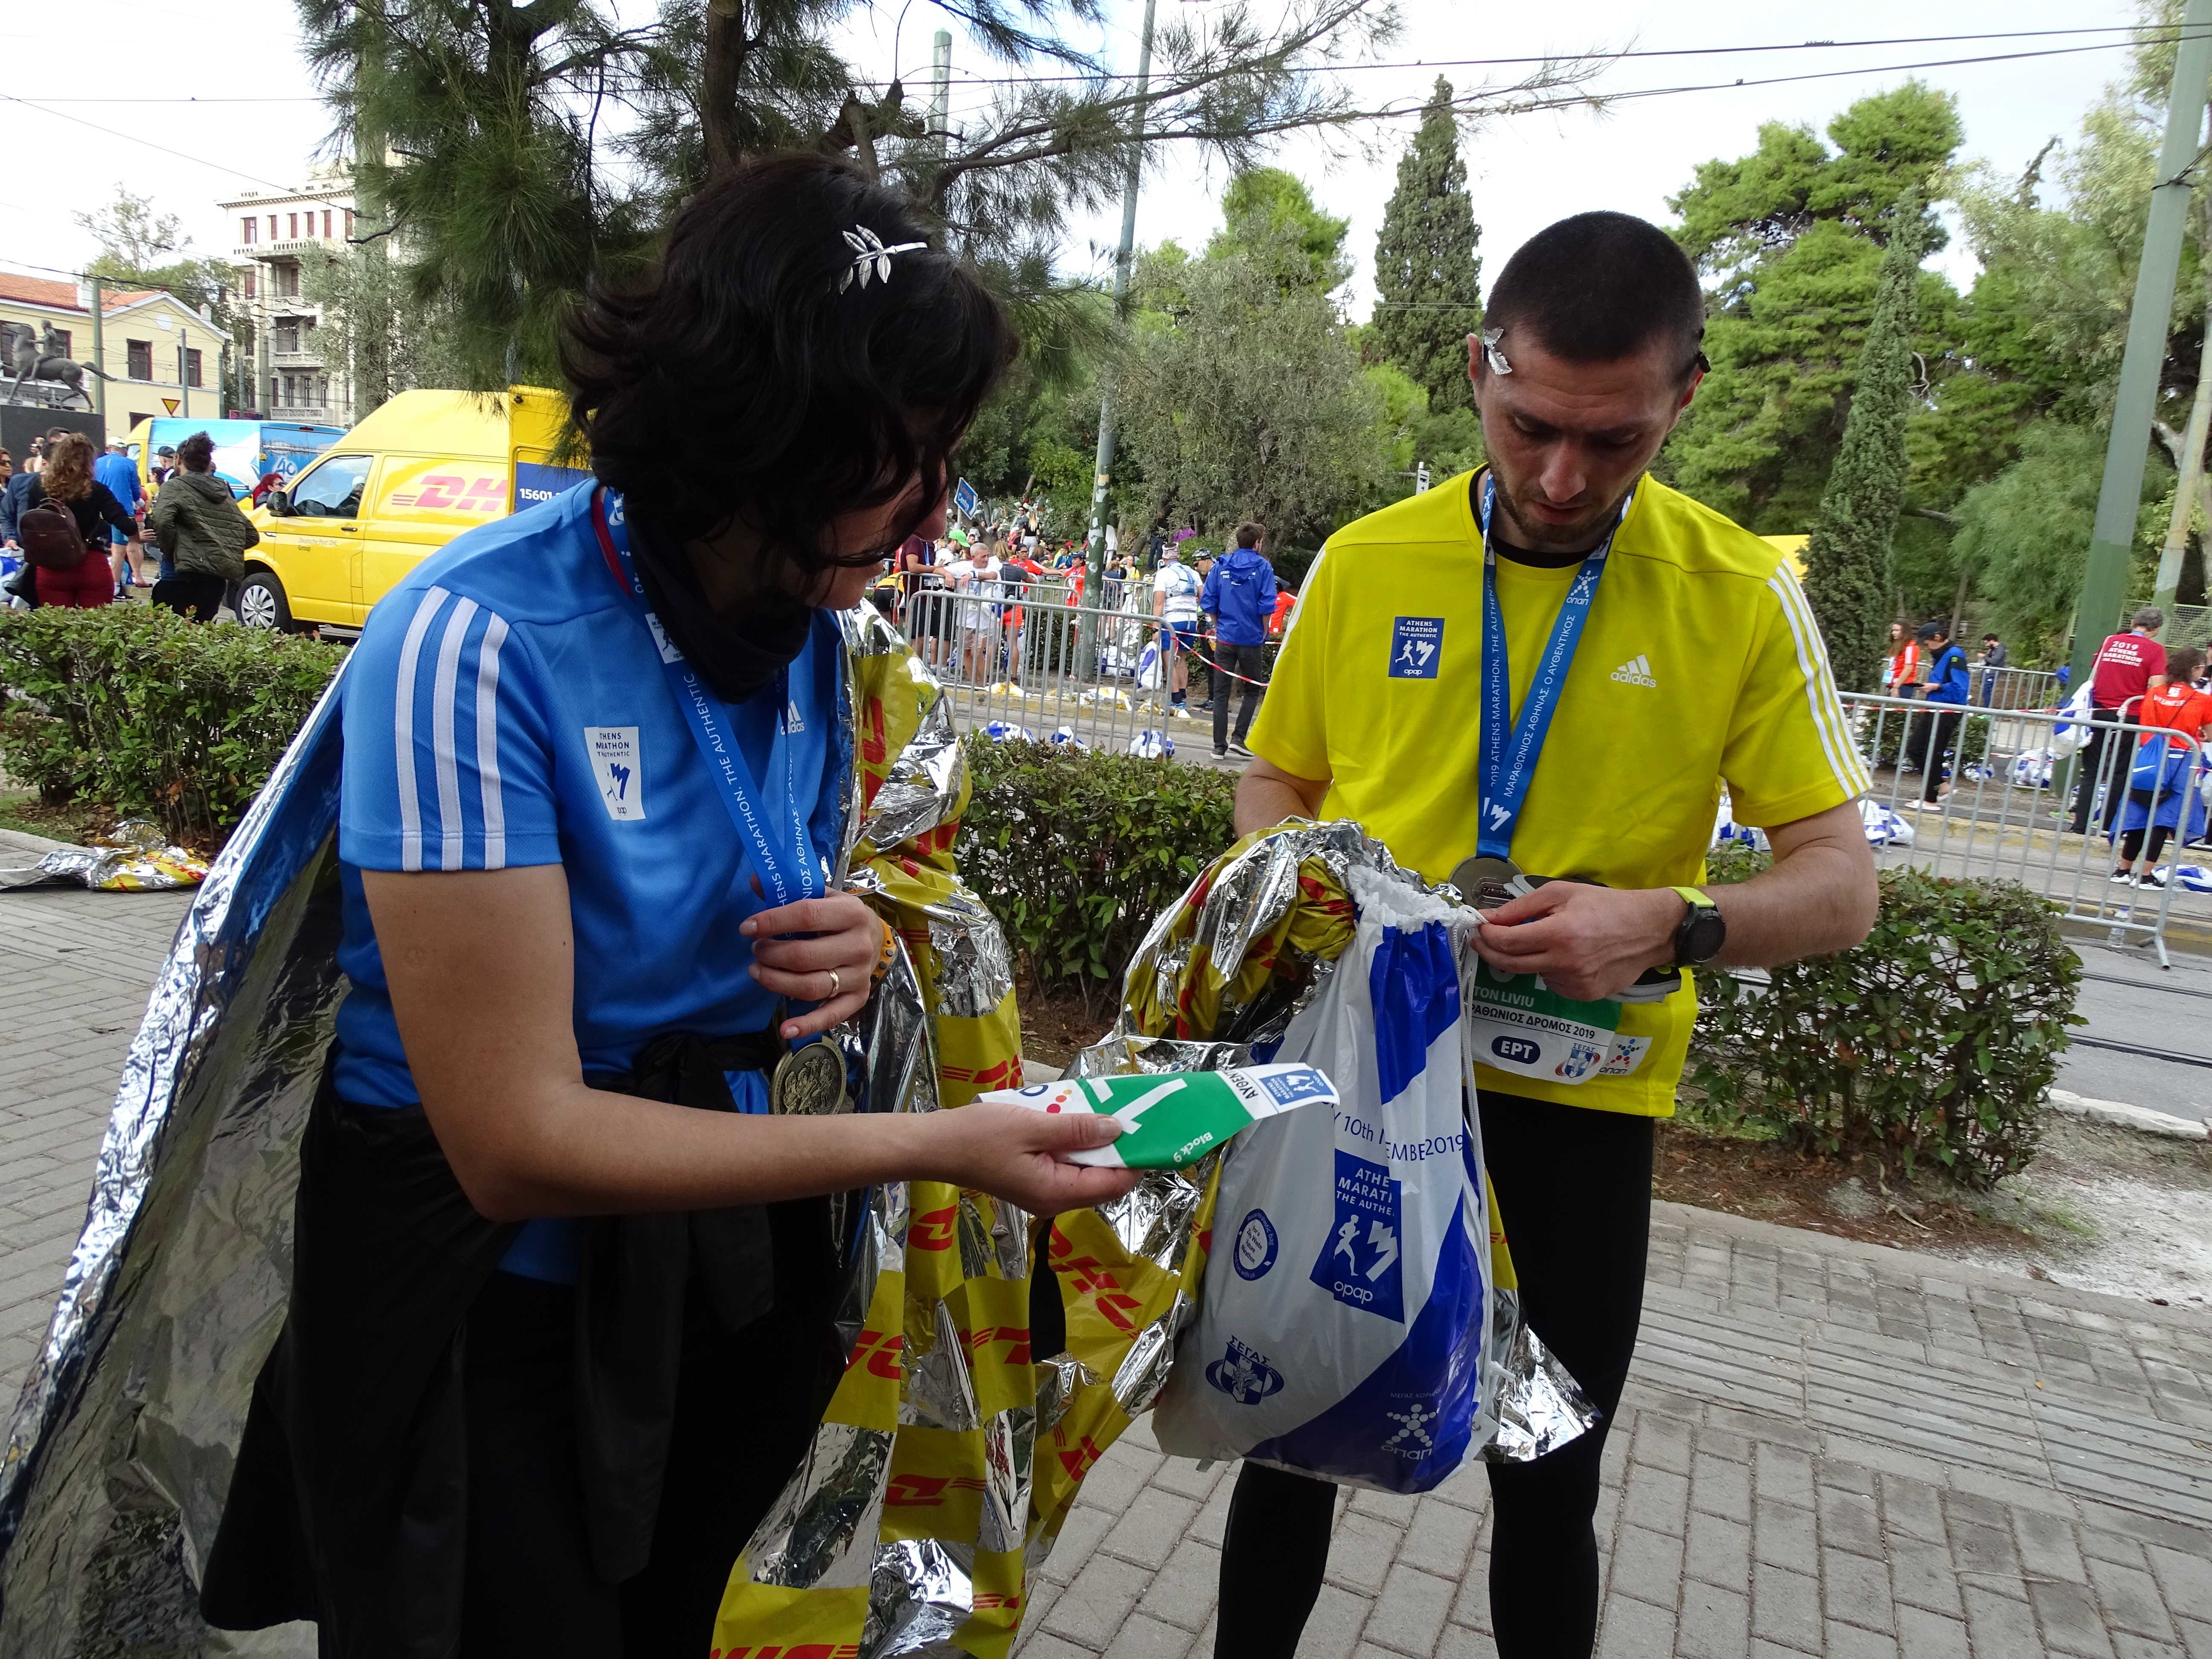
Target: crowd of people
(76, 522)
(971, 602)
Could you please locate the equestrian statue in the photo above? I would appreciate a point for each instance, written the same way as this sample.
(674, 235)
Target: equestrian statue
(41, 357)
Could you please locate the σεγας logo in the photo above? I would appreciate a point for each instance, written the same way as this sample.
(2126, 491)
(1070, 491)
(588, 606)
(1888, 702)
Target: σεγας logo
(1245, 1375)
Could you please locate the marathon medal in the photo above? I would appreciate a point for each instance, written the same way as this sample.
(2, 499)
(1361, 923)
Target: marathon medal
(1485, 881)
(809, 1081)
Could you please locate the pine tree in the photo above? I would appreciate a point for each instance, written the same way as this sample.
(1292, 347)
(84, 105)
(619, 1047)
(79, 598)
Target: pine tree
(1426, 269)
(1847, 559)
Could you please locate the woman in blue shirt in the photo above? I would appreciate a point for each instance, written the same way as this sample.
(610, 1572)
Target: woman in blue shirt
(560, 1324)
(1947, 683)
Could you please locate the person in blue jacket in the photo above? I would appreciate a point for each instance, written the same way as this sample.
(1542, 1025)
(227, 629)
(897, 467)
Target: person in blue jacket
(1947, 683)
(561, 1320)
(1239, 596)
(115, 470)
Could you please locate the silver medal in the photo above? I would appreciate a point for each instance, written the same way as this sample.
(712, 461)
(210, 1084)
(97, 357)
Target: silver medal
(1486, 882)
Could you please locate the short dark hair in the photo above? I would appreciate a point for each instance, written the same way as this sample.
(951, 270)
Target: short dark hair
(1988, 638)
(2183, 664)
(196, 453)
(760, 371)
(1599, 287)
(1250, 535)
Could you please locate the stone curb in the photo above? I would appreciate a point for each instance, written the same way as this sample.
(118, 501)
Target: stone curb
(2121, 1115)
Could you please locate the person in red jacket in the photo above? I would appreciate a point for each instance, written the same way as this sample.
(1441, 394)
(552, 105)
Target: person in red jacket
(67, 482)
(1286, 602)
(2128, 665)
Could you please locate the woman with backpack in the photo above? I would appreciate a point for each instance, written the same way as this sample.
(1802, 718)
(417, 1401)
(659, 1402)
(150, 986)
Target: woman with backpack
(198, 526)
(67, 513)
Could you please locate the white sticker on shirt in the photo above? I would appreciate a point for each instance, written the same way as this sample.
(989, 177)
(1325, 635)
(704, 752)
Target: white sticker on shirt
(615, 764)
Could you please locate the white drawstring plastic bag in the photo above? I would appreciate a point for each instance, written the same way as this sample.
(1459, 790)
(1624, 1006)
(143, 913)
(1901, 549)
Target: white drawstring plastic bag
(1151, 670)
(1344, 1322)
(1884, 828)
(2071, 735)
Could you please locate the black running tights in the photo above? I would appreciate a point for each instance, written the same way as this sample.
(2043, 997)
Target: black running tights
(1574, 1188)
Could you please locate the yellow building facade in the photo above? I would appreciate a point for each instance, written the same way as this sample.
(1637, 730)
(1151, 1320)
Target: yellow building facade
(160, 356)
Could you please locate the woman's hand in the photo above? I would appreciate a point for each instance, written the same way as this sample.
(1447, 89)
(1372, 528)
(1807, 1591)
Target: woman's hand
(832, 968)
(1014, 1153)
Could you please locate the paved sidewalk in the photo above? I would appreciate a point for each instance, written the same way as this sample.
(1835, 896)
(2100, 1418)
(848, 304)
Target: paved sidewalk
(1827, 1447)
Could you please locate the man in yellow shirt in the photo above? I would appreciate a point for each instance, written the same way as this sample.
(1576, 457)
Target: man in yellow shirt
(1553, 666)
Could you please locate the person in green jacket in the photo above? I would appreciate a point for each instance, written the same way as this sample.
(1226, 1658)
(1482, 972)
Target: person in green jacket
(200, 527)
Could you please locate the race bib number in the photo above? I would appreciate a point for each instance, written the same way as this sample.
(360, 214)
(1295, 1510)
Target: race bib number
(1519, 1024)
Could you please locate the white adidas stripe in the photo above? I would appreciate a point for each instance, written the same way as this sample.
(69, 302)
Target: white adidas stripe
(443, 693)
(1827, 709)
(402, 727)
(494, 807)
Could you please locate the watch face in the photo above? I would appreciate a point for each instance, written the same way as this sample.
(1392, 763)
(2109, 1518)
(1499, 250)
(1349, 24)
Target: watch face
(1704, 935)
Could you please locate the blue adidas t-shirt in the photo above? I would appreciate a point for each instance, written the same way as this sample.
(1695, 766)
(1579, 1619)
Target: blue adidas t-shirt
(506, 707)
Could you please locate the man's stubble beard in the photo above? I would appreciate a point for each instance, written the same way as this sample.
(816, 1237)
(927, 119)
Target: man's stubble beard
(1581, 538)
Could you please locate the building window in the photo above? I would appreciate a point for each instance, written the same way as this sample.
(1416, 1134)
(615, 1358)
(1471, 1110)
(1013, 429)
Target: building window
(322, 392)
(348, 219)
(191, 365)
(140, 355)
(288, 334)
(292, 227)
(249, 280)
(273, 398)
(246, 227)
(327, 224)
(272, 227)
(288, 281)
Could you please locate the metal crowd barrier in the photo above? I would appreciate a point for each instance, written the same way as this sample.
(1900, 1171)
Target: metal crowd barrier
(2013, 783)
(1020, 661)
(2014, 688)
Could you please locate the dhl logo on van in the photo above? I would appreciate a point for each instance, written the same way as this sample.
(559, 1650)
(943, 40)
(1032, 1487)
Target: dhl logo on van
(449, 492)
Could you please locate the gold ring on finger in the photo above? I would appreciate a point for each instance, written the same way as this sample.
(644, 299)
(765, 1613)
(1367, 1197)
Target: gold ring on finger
(837, 984)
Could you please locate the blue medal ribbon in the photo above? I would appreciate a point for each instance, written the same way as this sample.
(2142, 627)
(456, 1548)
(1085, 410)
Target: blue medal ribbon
(787, 869)
(1507, 758)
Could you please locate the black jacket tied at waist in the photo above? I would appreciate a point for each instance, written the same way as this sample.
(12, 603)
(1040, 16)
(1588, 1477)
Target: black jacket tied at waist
(349, 1504)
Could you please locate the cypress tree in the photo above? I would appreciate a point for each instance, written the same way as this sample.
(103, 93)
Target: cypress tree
(1426, 270)
(1847, 559)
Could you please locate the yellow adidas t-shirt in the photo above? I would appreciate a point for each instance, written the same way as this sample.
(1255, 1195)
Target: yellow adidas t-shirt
(1700, 663)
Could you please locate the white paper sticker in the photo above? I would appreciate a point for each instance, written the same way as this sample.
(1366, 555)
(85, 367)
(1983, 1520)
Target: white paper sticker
(615, 764)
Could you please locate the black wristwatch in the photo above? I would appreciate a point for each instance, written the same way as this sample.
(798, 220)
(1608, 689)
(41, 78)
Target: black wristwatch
(1703, 930)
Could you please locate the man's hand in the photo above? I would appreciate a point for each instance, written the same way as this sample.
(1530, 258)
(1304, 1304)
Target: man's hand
(1588, 942)
(838, 933)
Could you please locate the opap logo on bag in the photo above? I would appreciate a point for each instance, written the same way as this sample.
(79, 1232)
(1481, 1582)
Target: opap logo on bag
(1359, 1265)
(1245, 1375)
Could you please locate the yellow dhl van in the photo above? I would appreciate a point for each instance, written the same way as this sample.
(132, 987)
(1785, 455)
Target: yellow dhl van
(426, 466)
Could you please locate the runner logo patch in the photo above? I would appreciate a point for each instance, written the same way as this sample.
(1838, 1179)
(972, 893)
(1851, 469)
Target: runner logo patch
(613, 749)
(1359, 1265)
(1255, 1246)
(1417, 646)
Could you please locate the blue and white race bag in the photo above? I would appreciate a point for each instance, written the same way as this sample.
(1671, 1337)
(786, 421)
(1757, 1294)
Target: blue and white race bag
(1344, 1324)
(1151, 667)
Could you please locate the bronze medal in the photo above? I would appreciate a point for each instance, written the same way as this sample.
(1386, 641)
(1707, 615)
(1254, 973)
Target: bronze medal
(809, 1081)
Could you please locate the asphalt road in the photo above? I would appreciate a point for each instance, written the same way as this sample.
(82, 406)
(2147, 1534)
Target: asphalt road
(2168, 1009)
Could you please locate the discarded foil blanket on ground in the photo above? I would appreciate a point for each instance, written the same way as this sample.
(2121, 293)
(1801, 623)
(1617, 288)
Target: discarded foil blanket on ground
(907, 1524)
(1217, 981)
(136, 859)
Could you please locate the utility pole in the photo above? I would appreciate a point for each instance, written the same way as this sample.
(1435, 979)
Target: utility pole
(98, 358)
(2191, 469)
(2105, 579)
(184, 391)
(1094, 557)
(941, 92)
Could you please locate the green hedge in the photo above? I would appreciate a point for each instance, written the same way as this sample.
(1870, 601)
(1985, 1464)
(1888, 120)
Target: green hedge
(1932, 1043)
(1077, 851)
(134, 709)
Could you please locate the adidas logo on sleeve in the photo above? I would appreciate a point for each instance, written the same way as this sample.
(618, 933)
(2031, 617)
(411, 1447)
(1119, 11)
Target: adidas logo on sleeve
(1636, 670)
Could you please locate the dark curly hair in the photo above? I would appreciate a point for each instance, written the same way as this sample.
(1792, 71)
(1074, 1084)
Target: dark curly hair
(196, 453)
(738, 382)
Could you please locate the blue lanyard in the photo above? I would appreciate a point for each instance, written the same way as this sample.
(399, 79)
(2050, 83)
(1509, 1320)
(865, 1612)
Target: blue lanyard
(786, 876)
(1505, 764)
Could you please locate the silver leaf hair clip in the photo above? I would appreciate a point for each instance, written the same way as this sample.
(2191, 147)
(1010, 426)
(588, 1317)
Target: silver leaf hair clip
(871, 258)
(1491, 355)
